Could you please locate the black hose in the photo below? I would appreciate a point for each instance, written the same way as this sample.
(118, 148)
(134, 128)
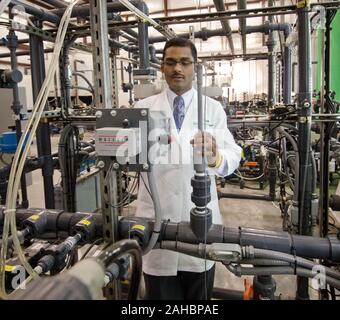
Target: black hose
(115, 251)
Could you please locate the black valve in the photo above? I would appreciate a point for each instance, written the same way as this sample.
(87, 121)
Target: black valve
(87, 228)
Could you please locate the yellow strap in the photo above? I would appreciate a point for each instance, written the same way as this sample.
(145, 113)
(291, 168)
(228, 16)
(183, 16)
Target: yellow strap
(218, 161)
(302, 4)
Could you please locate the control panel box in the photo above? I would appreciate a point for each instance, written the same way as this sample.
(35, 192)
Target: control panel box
(118, 142)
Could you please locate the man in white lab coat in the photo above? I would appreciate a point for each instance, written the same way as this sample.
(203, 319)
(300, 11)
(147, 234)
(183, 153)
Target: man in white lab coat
(168, 274)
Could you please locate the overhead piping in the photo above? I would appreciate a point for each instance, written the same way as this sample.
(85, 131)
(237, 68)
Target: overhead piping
(241, 5)
(219, 5)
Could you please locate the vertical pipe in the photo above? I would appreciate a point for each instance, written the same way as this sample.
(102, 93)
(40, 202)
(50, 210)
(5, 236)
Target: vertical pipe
(241, 5)
(327, 88)
(16, 106)
(287, 76)
(143, 40)
(43, 131)
(271, 101)
(304, 137)
(198, 163)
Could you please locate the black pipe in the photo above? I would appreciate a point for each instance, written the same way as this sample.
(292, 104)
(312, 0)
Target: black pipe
(16, 106)
(59, 222)
(227, 294)
(41, 14)
(128, 37)
(22, 53)
(243, 196)
(304, 246)
(43, 131)
(153, 57)
(271, 100)
(117, 44)
(287, 74)
(115, 251)
(57, 3)
(143, 40)
(219, 5)
(304, 137)
(241, 5)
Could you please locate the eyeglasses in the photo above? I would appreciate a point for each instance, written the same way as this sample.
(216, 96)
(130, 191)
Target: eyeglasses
(173, 62)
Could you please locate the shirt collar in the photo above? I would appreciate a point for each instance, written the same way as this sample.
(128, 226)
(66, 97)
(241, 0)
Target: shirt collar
(187, 97)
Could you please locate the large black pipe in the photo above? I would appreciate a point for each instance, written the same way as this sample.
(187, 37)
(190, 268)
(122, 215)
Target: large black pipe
(43, 131)
(41, 14)
(219, 5)
(304, 135)
(57, 3)
(143, 40)
(241, 5)
(243, 196)
(304, 246)
(271, 100)
(59, 221)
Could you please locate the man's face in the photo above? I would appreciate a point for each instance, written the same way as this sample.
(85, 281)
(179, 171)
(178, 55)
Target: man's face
(179, 69)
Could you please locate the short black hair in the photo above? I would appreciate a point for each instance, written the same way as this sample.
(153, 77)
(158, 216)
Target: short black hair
(181, 42)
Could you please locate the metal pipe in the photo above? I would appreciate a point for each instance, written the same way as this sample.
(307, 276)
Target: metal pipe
(304, 137)
(241, 5)
(143, 40)
(57, 3)
(303, 246)
(199, 165)
(271, 101)
(22, 53)
(117, 44)
(41, 14)
(128, 37)
(43, 132)
(219, 5)
(243, 196)
(153, 57)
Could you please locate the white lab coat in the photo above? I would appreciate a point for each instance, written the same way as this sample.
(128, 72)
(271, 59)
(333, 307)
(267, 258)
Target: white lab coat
(173, 180)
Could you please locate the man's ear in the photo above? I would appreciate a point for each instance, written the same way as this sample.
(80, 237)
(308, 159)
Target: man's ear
(162, 67)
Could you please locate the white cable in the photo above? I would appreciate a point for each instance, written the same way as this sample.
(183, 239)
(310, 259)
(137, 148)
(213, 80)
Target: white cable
(19, 158)
(247, 179)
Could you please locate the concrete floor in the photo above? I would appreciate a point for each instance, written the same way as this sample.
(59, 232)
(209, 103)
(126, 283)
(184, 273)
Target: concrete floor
(235, 213)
